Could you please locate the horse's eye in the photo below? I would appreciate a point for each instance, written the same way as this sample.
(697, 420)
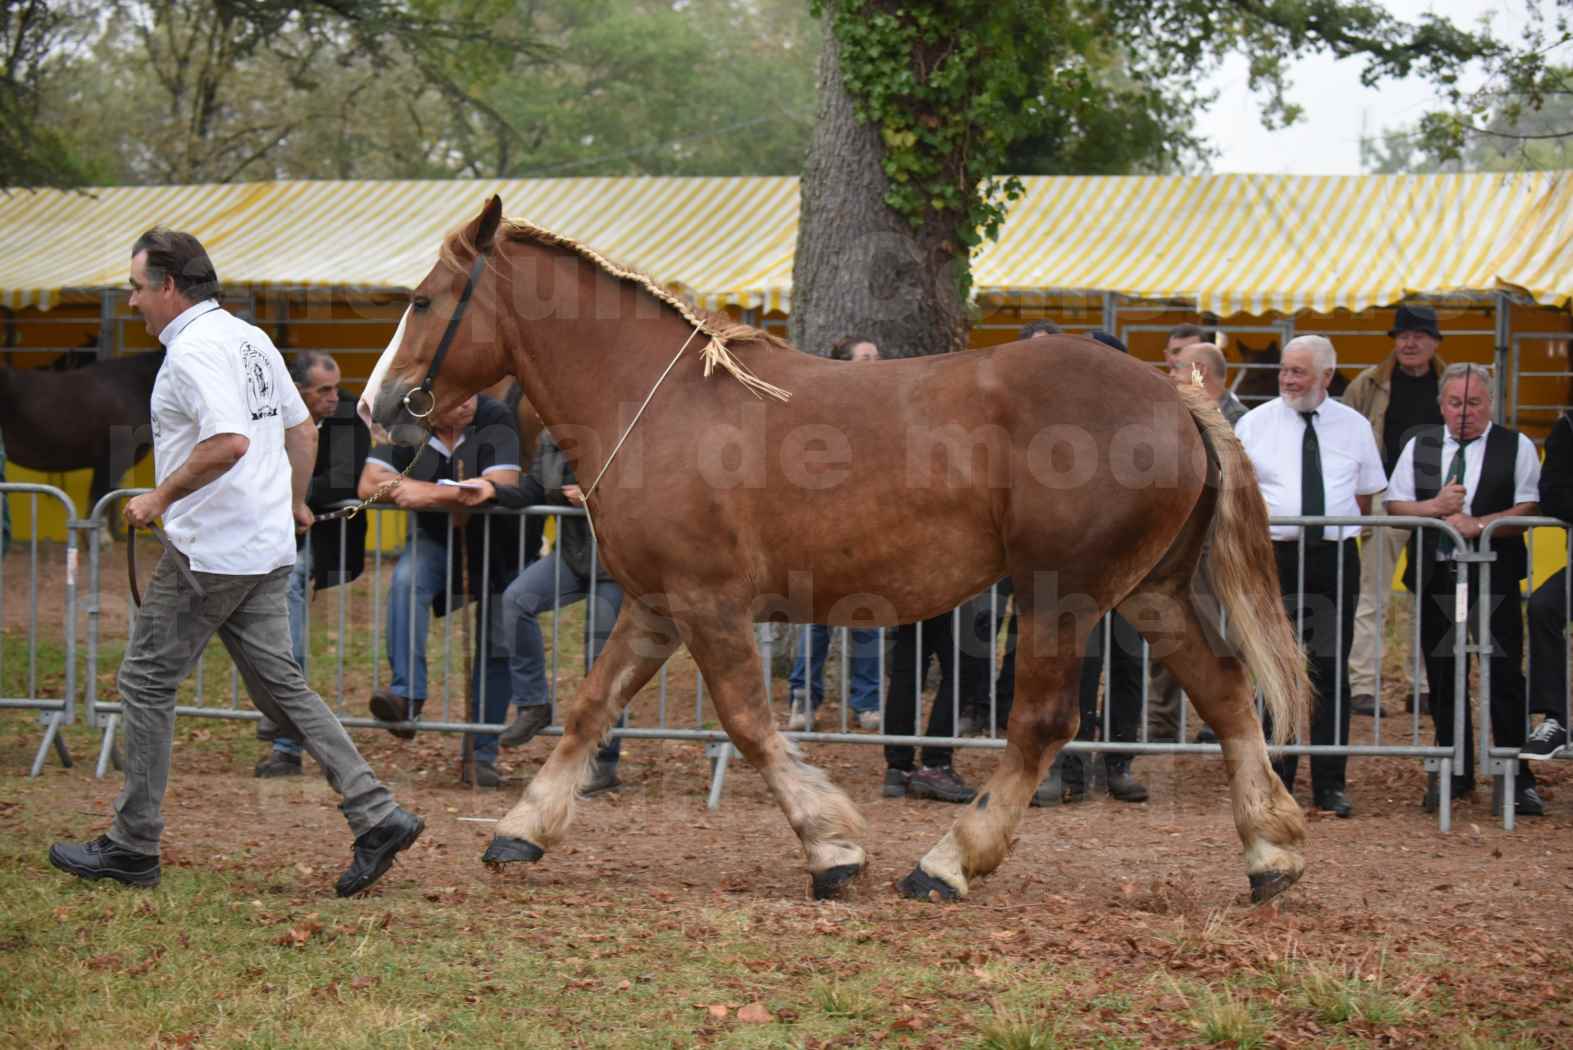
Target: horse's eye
(421, 304)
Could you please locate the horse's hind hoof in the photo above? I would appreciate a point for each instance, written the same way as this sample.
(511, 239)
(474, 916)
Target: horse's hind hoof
(829, 883)
(921, 886)
(506, 850)
(1265, 885)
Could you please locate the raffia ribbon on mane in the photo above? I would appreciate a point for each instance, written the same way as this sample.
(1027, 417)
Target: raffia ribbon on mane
(715, 353)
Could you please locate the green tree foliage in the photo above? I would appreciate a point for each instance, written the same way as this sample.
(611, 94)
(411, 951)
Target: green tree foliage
(957, 90)
(1514, 136)
(35, 35)
(219, 90)
(646, 87)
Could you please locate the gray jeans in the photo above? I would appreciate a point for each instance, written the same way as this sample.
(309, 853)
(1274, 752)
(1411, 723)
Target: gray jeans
(250, 616)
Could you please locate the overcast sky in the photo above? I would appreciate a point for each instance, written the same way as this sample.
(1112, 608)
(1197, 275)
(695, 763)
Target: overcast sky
(1326, 141)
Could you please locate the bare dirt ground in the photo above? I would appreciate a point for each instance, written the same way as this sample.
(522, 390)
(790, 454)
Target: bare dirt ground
(1477, 921)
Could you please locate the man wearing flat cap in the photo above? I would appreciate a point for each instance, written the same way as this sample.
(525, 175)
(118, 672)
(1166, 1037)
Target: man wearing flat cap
(1400, 398)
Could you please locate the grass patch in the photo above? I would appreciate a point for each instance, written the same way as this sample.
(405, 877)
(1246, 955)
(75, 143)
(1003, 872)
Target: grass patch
(835, 999)
(1222, 1018)
(1020, 1028)
(1336, 997)
(1473, 1041)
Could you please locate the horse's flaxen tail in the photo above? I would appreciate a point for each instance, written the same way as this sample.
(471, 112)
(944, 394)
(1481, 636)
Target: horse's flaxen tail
(1244, 575)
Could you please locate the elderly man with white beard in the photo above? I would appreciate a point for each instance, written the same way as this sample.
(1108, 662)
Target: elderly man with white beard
(1315, 457)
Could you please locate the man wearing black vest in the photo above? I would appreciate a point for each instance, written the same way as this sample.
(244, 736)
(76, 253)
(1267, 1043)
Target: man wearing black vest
(1315, 457)
(1399, 397)
(1468, 472)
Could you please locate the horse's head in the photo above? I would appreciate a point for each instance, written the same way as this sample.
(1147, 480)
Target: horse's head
(1258, 380)
(448, 344)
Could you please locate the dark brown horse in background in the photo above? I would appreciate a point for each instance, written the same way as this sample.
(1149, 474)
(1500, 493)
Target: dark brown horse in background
(1260, 383)
(96, 416)
(1083, 474)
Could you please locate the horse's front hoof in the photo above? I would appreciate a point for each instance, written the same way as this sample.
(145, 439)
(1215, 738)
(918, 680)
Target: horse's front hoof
(506, 850)
(829, 884)
(1265, 885)
(921, 886)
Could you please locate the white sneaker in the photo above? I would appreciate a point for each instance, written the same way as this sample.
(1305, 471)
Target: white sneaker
(869, 720)
(802, 717)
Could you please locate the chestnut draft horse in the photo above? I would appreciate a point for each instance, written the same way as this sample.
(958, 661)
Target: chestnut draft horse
(876, 495)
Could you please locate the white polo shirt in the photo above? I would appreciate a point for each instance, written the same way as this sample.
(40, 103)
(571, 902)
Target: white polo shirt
(224, 376)
(1274, 434)
(1526, 470)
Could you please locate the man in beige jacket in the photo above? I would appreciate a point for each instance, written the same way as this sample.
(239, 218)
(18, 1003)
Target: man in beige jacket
(1398, 396)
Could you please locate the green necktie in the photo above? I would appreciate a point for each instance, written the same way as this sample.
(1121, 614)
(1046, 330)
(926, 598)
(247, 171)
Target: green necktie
(1313, 498)
(1455, 476)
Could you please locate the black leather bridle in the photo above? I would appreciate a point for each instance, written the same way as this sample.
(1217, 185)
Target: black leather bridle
(446, 341)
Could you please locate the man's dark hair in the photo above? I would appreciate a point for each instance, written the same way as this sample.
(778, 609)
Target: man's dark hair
(1190, 331)
(302, 363)
(841, 349)
(180, 257)
(1044, 327)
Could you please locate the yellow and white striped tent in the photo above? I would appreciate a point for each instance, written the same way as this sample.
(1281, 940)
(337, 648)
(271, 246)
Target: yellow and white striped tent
(1228, 243)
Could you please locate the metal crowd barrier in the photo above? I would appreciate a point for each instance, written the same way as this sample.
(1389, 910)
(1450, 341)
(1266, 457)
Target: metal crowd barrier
(441, 716)
(54, 712)
(1439, 759)
(1502, 762)
(669, 723)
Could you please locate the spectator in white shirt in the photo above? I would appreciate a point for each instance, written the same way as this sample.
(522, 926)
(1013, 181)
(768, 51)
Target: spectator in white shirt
(1315, 457)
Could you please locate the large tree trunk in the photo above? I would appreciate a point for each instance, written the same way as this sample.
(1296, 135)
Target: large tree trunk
(860, 268)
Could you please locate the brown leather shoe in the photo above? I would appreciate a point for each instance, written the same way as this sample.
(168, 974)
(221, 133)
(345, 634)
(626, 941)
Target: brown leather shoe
(391, 707)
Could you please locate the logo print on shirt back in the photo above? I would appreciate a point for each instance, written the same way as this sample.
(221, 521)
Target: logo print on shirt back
(261, 392)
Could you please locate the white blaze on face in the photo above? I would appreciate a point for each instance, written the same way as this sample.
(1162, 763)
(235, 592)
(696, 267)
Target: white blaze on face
(368, 397)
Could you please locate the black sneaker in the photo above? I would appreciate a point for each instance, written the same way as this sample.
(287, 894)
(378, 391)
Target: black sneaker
(391, 707)
(895, 785)
(278, 764)
(940, 783)
(102, 859)
(525, 725)
(374, 851)
(1547, 741)
(603, 777)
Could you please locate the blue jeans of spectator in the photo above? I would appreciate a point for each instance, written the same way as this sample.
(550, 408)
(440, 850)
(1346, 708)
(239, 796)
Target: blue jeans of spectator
(299, 586)
(490, 685)
(532, 593)
(863, 689)
(420, 575)
(423, 570)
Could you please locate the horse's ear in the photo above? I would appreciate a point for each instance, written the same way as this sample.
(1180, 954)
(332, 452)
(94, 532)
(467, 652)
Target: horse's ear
(486, 225)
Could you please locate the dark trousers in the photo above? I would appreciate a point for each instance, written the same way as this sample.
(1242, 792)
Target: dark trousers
(1124, 704)
(1548, 649)
(908, 664)
(1323, 614)
(1507, 657)
(986, 627)
(1125, 687)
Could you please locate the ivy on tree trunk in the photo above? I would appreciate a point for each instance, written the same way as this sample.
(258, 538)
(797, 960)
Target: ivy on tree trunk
(862, 268)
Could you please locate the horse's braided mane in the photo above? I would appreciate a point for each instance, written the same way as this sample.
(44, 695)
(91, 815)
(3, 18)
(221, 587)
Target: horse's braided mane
(720, 328)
